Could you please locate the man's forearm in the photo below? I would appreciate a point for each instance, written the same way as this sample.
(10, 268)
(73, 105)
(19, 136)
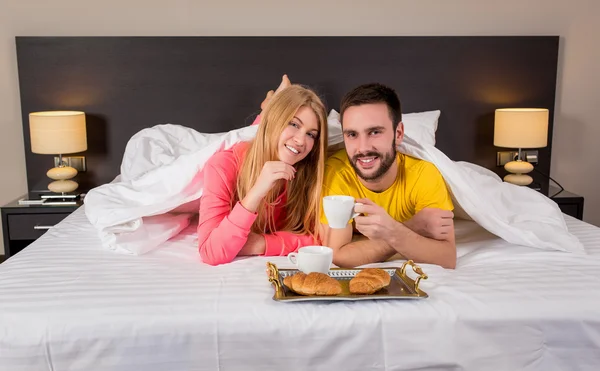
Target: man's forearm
(362, 251)
(422, 249)
(410, 224)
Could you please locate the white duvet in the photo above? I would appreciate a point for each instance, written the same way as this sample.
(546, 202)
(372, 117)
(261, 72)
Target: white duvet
(156, 194)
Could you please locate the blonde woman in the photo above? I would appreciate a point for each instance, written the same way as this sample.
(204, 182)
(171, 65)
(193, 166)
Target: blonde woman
(263, 197)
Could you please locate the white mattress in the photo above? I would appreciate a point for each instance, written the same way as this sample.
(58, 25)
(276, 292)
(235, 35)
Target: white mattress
(67, 304)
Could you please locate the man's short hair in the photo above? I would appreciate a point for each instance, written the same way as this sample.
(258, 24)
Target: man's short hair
(371, 94)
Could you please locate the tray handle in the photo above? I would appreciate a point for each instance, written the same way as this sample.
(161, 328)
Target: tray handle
(273, 274)
(417, 269)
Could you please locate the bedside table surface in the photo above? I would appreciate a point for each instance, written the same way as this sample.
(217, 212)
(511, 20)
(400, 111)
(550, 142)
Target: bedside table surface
(14, 206)
(552, 193)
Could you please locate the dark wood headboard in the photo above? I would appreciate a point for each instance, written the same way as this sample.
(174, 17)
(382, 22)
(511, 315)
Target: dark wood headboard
(214, 84)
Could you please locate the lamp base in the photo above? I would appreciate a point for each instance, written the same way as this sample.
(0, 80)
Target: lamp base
(518, 169)
(63, 186)
(61, 176)
(518, 179)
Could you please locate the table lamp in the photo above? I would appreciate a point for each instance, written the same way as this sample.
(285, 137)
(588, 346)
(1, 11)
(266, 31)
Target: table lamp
(58, 133)
(520, 128)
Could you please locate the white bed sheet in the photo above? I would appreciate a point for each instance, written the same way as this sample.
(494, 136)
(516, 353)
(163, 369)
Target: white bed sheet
(68, 304)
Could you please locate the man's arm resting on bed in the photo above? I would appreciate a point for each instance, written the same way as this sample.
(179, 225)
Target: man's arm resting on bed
(349, 253)
(409, 244)
(423, 249)
(433, 223)
(361, 250)
(379, 225)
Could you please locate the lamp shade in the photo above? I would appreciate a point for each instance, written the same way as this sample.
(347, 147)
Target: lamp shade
(521, 127)
(57, 132)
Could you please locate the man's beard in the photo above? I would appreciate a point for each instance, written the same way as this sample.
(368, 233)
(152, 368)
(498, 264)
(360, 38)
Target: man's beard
(386, 162)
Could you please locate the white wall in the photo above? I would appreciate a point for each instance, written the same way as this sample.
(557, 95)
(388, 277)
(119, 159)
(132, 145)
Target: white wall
(576, 21)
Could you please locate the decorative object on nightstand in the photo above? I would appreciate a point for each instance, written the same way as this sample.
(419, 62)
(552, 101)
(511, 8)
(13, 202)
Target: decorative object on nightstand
(58, 133)
(520, 128)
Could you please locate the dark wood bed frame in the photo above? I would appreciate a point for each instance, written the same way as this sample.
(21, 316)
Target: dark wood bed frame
(214, 84)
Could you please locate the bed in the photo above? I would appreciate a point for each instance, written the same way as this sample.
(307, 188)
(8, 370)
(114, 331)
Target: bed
(67, 303)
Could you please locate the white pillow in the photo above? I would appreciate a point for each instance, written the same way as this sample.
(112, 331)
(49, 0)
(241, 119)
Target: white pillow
(420, 126)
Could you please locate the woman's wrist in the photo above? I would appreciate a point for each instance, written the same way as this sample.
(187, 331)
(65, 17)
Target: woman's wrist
(252, 201)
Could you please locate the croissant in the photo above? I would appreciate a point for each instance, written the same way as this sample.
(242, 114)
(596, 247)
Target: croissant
(369, 280)
(313, 283)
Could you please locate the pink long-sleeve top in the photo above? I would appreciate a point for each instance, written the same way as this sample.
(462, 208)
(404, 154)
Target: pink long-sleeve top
(223, 230)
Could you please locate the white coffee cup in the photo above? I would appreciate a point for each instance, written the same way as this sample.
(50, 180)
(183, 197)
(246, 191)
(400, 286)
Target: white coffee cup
(312, 259)
(339, 210)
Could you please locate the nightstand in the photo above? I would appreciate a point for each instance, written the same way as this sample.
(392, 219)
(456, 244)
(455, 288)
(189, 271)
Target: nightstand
(570, 203)
(23, 224)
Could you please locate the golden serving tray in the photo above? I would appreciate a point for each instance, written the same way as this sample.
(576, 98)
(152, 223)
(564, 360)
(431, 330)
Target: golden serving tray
(401, 286)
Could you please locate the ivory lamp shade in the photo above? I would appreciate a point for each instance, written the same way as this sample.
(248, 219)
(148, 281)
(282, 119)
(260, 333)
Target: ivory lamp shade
(521, 127)
(57, 132)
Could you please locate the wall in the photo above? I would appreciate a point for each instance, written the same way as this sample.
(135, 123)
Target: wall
(576, 21)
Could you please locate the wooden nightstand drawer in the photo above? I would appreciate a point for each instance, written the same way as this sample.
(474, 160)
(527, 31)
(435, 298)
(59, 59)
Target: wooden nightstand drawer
(32, 226)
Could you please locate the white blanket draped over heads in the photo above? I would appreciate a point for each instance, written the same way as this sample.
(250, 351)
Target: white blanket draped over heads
(157, 192)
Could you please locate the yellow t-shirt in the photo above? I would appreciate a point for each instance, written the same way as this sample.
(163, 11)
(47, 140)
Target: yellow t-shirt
(418, 184)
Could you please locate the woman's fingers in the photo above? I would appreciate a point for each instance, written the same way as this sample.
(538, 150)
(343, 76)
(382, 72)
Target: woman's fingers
(264, 103)
(282, 166)
(285, 174)
(285, 82)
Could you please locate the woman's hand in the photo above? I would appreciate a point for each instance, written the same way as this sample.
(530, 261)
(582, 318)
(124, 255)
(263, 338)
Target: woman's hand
(271, 172)
(285, 82)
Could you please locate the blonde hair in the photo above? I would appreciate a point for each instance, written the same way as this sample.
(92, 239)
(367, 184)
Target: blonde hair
(303, 205)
